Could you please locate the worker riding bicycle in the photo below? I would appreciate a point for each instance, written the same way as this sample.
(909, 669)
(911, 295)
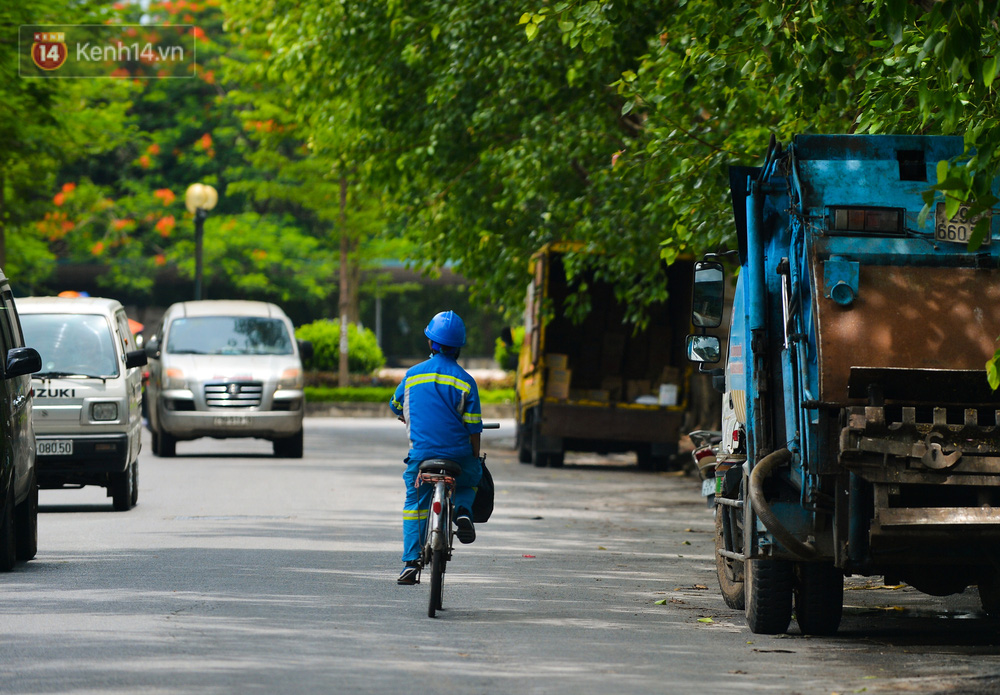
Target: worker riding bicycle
(439, 403)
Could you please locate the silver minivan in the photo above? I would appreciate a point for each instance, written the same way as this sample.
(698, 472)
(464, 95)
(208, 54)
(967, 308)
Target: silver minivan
(88, 395)
(226, 368)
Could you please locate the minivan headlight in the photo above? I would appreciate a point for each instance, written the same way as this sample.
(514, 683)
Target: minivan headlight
(291, 378)
(173, 378)
(104, 411)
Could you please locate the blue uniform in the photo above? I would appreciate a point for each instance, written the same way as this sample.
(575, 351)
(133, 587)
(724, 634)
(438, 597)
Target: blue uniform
(440, 403)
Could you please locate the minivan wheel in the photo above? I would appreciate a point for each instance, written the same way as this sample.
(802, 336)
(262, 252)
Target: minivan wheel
(26, 524)
(8, 541)
(164, 444)
(121, 490)
(289, 447)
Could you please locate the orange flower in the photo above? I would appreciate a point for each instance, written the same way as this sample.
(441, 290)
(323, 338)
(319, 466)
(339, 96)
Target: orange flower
(165, 195)
(59, 198)
(67, 226)
(159, 259)
(165, 225)
(120, 72)
(258, 254)
(199, 34)
(119, 225)
(205, 142)
(97, 249)
(153, 149)
(145, 162)
(209, 77)
(68, 188)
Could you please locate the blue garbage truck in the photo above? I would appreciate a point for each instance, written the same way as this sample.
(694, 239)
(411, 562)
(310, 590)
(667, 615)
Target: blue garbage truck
(860, 434)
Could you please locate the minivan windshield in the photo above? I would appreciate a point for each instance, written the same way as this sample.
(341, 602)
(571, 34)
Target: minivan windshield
(79, 345)
(228, 335)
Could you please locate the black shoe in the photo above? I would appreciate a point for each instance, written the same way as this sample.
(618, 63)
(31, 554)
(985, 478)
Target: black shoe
(466, 529)
(410, 573)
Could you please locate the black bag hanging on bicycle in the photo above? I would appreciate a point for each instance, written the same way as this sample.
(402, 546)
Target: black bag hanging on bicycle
(482, 505)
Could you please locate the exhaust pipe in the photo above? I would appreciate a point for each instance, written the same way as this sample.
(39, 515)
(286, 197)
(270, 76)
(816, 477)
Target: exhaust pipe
(763, 510)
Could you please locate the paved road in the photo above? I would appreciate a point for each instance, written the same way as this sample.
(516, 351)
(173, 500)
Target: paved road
(239, 573)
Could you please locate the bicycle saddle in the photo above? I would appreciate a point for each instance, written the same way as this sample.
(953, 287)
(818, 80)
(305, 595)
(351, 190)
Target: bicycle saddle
(434, 465)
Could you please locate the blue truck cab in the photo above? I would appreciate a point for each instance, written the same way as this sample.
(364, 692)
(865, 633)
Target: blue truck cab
(860, 432)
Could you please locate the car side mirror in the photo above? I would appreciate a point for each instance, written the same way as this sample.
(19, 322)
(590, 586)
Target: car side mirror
(704, 348)
(152, 348)
(135, 358)
(21, 361)
(305, 349)
(708, 294)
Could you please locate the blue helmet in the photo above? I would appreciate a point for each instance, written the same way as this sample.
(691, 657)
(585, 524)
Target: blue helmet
(446, 329)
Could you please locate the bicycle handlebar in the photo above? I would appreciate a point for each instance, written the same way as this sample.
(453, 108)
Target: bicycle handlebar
(491, 425)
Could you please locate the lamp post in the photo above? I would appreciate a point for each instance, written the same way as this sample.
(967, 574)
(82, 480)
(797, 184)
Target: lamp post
(199, 199)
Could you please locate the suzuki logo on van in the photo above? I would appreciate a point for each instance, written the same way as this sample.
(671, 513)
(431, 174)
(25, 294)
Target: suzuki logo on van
(55, 393)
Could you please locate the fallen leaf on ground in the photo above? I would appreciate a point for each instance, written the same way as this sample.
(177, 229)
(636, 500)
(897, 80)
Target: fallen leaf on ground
(705, 620)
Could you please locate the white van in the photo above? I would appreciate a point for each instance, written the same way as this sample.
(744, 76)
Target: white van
(88, 395)
(226, 368)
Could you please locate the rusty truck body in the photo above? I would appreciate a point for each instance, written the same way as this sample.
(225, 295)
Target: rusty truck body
(860, 433)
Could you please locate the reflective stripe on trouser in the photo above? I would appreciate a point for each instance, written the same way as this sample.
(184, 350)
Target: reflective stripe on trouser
(418, 502)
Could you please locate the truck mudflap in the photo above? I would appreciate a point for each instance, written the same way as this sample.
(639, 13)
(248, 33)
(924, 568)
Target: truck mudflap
(929, 476)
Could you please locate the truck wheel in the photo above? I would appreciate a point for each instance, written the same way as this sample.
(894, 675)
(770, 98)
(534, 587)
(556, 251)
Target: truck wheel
(989, 593)
(8, 540)
(819, 597)
(557, 459)
(121, 490)
(135, 482)
(768, 587)
(26, 524)
(523, 437)
(729, 571)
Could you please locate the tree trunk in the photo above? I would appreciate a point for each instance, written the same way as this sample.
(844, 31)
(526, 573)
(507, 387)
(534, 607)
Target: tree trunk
(345, 299)
(3, 228)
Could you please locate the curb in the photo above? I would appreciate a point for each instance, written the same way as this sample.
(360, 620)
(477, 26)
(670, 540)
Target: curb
(490, 412)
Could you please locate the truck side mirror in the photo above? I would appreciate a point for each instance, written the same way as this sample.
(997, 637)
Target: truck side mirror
(704, 348)
(135, 358)
(708, 295)
(21, 361)
(305, 350)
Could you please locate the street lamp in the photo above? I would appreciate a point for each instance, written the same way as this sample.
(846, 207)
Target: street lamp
(199, 199)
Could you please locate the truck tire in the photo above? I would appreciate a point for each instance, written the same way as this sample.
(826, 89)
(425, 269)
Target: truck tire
(8, 537)
(523, 436)
(729, 571)
(121, 490)
(26, 524)
(989, 592)
(768, 586)
(819, 597)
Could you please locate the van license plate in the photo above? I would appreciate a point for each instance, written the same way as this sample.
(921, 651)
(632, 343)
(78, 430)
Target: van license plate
(235, 421)
(54, 447)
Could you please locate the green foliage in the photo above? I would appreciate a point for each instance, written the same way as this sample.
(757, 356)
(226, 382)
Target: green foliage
(506, 355)
(363, 353)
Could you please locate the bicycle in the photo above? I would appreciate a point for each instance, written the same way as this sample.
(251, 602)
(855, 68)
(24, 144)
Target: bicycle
(440, 534)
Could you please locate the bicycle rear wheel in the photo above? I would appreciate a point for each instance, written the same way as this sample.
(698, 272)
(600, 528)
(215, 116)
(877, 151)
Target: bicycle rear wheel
(437, 582)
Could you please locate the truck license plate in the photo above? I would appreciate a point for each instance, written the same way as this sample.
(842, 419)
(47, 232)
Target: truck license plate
(958, 229)
(54, 447)
(232, 421)
(708, 487)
